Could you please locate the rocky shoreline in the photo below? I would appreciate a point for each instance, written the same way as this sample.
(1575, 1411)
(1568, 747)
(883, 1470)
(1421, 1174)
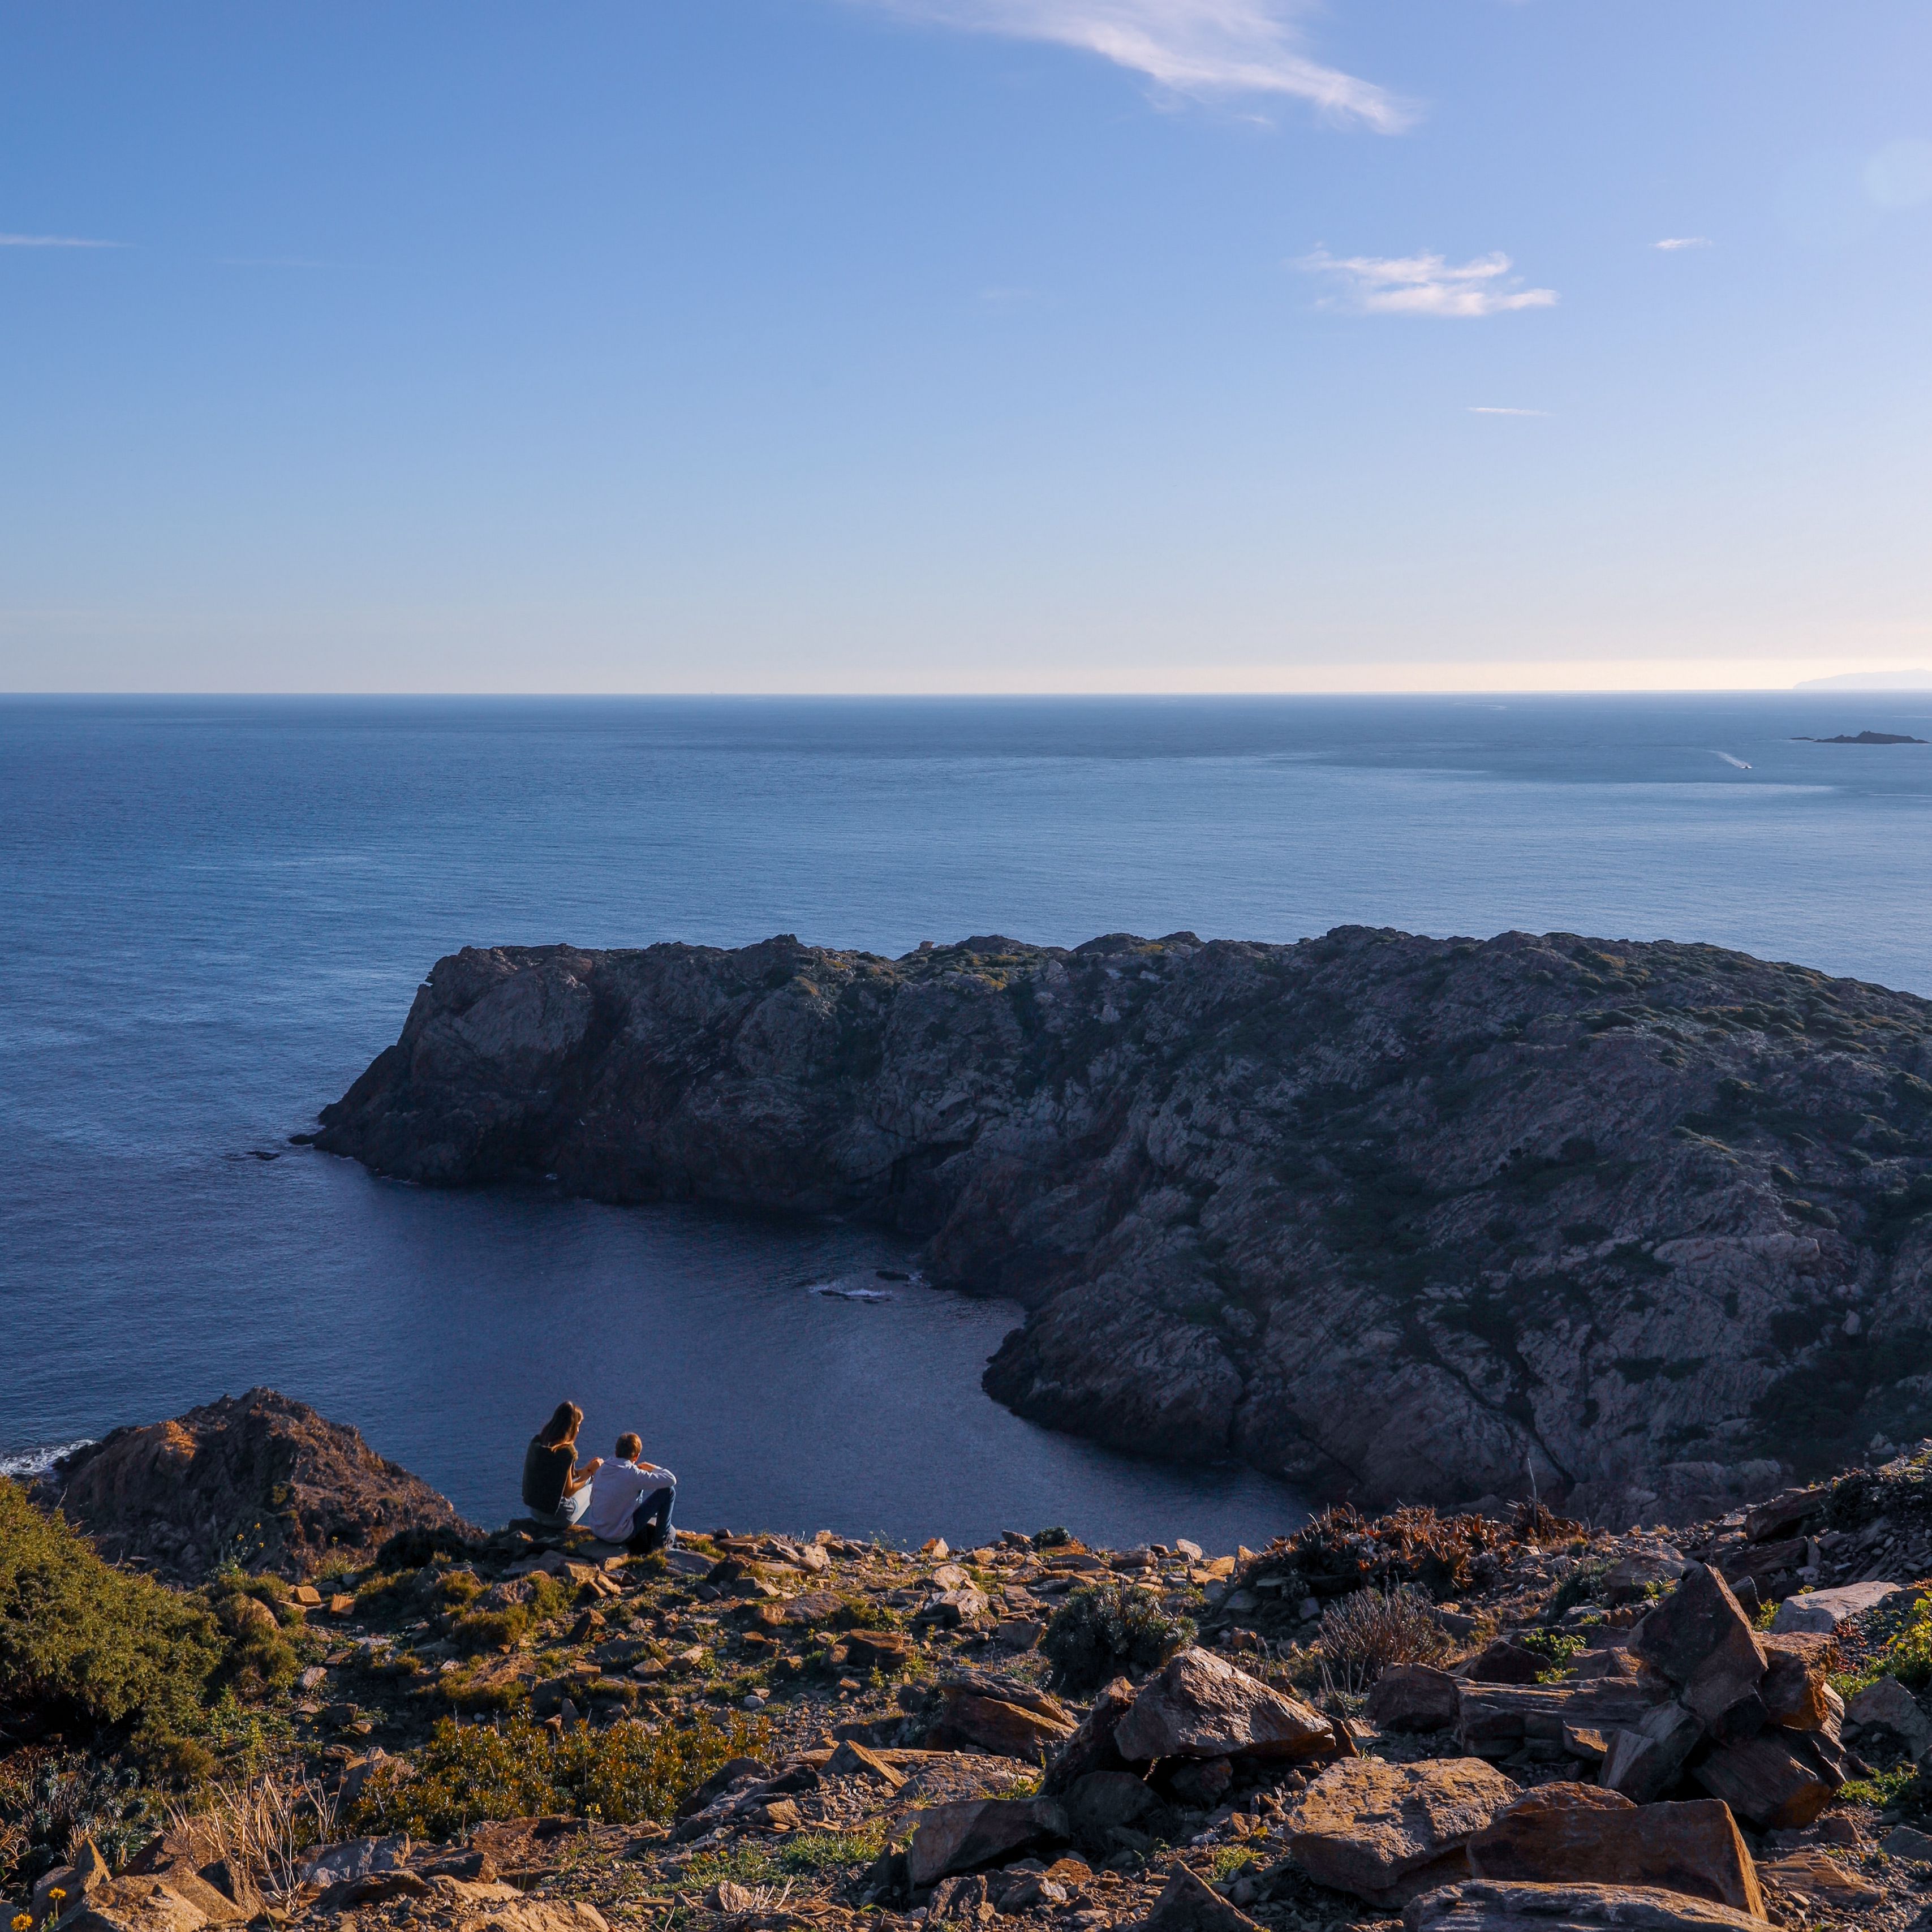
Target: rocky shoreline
(1468, 1723)
(1641, 1229)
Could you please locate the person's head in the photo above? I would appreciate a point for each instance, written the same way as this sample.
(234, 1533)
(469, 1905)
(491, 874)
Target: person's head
(563, 1426)
(629, 1447)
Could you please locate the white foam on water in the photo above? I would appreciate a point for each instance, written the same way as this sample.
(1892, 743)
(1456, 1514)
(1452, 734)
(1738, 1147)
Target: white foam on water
(29, 1463)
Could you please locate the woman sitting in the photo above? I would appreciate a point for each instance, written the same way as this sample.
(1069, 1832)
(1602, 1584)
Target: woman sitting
(555, 1491)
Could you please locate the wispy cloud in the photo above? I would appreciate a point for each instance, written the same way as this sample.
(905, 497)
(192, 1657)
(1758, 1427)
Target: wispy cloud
(1424, 285)
(1498, 409)
(55, 241)
(1673, 242)
(1203, 48)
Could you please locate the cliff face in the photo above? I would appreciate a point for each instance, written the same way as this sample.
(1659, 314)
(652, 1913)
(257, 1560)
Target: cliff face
(1647, 1224)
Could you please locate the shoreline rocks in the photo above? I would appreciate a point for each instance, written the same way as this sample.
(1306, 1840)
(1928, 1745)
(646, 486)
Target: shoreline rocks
(256, 1479)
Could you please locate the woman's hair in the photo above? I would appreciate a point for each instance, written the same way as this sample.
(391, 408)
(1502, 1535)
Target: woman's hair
(562, 1426)
(629, 1447)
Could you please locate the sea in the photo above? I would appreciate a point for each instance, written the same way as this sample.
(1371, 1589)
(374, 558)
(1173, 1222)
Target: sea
(216, 911)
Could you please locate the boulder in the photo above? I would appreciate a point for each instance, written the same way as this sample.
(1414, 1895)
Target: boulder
(1009, 1721)
(1187, 1904)
(546, 1914)
(1488, 1905)
(804, 1611)
(1906, 1842)
(356, 1857)
(949, 1609)
(1635, 1576)
(1822, 1611)
(1700, 1638)
(1494, 1720)
(1387, 1832)
(1766, 1521)
(1886, 1711)
(888, 1650)
(1104, 1801)
(1413, 1697)
(1794, 1691)
(850, 1758)
(1561, 1832)
(1775, 1781)
(1200, 1705)
(1644, 1763)
(134, 1905)
(1505, 1662)
(256, 1473)
(1091, 1747)
(975, 1832)
(1817, 1876)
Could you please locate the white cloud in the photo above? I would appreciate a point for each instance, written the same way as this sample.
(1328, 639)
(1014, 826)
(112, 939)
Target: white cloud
(1204, 48)
(1671, 242)
(1424, 285)
(55, 241)
(1498, 410)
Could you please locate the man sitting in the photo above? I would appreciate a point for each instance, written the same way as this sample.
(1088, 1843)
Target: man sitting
(631, 1501)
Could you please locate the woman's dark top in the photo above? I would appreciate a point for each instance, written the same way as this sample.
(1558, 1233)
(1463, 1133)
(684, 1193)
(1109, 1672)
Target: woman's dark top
(546, 1470)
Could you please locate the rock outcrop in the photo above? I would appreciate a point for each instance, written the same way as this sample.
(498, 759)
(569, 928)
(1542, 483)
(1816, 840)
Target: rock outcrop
(254, 1479)
(1646, 1225)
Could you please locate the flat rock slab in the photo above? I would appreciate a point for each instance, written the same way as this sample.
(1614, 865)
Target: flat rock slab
(1387, 1832)
(1200, 1706)
(1822, 1611)
(1561, 1832)
(1482, 1905)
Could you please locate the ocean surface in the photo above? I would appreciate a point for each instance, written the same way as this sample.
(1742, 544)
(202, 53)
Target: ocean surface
(216, 912)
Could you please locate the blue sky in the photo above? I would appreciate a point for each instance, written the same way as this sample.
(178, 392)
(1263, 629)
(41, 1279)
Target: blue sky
(964, 345)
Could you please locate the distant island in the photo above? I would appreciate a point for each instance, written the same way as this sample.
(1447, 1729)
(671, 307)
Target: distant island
(1862, 738)
(1638, 1226)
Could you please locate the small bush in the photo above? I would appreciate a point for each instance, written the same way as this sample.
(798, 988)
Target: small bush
(1368, 1629)
(490, 1629)
(85, 1642)
(469, 1772)
(1105, 1628)
(1055, 1538)
(1580, 1584)
(867, 1613)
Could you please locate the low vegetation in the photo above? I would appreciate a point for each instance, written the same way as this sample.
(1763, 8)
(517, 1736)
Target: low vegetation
(86, 1647)
(621, 1775)
(1105, 1628)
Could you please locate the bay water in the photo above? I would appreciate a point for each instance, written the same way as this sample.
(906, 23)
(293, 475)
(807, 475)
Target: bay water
(216, 911)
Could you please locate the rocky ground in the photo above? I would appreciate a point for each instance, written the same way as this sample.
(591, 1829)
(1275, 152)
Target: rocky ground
(1462, 1722)
(1641, 1229)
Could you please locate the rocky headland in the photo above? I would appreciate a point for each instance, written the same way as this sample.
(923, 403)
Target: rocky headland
(1641, 1229)
(1438, 1723)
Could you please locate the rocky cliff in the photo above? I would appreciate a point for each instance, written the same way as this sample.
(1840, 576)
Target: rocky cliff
(1645, 1226)
(255, 1480)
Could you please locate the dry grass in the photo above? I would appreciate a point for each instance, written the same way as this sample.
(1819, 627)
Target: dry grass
(262, 1828)
(1368, 1630)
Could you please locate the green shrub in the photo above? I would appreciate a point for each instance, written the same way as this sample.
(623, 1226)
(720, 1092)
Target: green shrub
(469, 1772)
(260, 1659)
(92, 1645)
(490, 1629)
(1105, 1628)
(867, 1613)
(1580, 1584)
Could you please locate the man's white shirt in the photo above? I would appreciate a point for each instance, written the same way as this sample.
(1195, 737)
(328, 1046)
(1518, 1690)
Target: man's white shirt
(615, 1493)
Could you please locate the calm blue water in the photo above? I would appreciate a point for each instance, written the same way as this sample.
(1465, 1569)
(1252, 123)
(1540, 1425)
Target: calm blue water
(216, 911)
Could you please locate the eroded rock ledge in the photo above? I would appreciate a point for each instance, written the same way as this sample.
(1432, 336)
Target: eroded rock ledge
(1643, 1225)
